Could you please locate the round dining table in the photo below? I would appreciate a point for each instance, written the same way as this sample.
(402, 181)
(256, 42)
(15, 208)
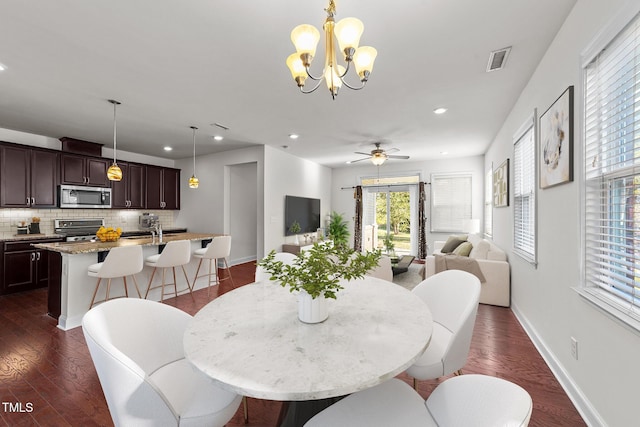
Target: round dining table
(250, 340)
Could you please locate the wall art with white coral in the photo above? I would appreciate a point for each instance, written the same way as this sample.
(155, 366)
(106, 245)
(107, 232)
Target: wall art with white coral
(556, 141)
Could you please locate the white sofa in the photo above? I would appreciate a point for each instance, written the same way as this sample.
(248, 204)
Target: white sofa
(496, 289)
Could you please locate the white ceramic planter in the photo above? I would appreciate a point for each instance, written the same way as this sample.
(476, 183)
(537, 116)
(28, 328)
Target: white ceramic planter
(312, 310)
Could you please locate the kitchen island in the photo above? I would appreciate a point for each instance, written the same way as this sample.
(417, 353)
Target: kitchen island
(71, 285)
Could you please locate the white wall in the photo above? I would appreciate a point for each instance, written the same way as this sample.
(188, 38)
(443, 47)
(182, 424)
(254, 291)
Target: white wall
(343, 202)
(604, 380)
(285, 174)
(206, 209)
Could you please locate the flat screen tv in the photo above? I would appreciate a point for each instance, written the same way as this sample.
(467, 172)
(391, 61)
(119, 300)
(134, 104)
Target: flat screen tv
(304, 210)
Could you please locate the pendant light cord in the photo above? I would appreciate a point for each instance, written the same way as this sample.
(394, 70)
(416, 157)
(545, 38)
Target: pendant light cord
(194, 149)
(115, 104)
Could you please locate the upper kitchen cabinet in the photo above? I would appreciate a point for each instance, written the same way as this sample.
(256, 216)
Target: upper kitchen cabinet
(163, 188)
(130, 191)
(28, 177)
(84, 170)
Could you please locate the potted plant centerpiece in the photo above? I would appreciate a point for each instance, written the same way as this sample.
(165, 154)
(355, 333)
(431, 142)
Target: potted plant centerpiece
(316, 274)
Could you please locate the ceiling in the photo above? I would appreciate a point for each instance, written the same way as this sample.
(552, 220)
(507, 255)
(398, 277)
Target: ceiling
(175, 64)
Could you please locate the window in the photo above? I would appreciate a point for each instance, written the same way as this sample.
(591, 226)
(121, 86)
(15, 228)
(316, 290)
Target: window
(612, 175)
(524, 192)
(488, 203)
(450, 202)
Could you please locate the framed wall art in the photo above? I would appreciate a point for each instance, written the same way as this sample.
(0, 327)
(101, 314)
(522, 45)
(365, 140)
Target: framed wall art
(556, 142)
(501, 185)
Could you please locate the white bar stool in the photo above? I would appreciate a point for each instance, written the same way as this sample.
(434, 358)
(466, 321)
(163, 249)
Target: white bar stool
(219, 248)
(121, 261)
(174, 254)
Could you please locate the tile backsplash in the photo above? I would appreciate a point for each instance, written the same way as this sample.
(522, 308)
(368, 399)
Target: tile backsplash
(127, 219)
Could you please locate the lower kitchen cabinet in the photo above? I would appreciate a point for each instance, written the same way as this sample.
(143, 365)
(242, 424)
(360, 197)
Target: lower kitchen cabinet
(24, 267)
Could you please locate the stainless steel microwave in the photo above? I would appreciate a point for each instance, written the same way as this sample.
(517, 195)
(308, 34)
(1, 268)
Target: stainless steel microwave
(77, 196)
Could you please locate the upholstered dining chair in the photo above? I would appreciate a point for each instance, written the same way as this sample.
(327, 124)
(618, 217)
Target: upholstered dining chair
(219, 248)
(285, 257)
(452, 296)
(121, 261)
(383, 270)
(136, 347)
(467, 400)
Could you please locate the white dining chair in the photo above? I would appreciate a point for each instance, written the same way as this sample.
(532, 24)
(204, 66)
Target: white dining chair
(121, 261)
(452, 296)
(136, 347)
(383, 270)
(285, 257)
(219, 248)
(463, 401)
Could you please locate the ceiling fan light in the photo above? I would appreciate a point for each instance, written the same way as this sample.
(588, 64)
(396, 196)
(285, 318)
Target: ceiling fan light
(378, 158)
(305, 38)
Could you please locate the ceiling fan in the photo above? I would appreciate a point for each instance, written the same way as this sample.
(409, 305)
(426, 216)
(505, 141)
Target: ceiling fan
(378, 155)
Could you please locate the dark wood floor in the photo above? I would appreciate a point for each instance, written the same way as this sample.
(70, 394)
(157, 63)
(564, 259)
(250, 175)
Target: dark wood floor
(49, 372)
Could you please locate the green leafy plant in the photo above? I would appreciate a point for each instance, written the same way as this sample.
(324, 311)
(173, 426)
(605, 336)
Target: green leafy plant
(294, 227)
(318, 271)
(338, 229)
(388, 243)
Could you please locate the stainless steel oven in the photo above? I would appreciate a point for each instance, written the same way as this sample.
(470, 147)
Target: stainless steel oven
(74, 230)
(76, 196)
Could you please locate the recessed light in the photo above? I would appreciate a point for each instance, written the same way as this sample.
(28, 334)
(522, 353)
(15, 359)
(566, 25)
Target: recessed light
(218, 137)
(440, 110)
(168, 148)
(293, 136)
(2, 67)
(444, 153)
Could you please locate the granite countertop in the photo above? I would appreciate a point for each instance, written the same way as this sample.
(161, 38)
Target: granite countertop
(88, 247)
(11, 237)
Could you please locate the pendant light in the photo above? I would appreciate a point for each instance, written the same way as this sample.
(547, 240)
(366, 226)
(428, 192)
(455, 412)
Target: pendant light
(193, 181)
(114, 173)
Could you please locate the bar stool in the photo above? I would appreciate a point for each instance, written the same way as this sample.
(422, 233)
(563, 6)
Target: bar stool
(174, 254)
(219, 248)
(121, 261)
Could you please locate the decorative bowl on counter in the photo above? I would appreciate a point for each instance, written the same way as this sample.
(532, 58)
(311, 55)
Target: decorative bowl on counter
(109, 234)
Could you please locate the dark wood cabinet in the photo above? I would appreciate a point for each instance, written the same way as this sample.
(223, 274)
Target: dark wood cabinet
(28, 177)
(77, 169)
(130, 191)
(163, 188)
(24, 267)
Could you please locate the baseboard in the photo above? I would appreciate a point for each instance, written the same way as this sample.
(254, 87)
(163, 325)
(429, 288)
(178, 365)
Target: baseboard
(582, 404)
(242, 260)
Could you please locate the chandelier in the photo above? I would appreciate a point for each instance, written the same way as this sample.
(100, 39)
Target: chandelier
(114, 173)
(347, 31)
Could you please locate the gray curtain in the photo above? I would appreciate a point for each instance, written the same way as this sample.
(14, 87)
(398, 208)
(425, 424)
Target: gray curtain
(357, 232)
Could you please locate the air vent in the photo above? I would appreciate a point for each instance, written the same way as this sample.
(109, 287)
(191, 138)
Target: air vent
(497, 59)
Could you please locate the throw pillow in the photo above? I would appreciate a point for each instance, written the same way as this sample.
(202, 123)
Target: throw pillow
(464, 249)
(451, 243)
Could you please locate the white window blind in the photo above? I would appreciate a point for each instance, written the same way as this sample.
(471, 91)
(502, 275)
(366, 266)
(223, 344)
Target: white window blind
(488, 203)
(612, 173)
(524, 193)
(450, 202)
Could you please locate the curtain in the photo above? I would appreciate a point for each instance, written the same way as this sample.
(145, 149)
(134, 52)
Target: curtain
(357, 232)
(422, 223)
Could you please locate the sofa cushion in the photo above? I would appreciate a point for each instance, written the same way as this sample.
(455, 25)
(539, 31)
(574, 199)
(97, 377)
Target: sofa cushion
(480, 249)
(464, 249)
(452, 243)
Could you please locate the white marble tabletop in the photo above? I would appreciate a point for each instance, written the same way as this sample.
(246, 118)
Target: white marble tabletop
(250, 340)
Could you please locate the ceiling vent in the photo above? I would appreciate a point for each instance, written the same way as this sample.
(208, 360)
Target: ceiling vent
(497, 59)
